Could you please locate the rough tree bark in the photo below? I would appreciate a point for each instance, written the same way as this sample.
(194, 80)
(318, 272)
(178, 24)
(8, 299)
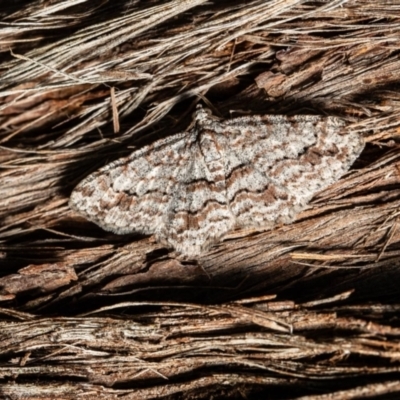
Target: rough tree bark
(303, 311)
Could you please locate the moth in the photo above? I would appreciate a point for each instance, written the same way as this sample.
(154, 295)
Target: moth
(191, 188)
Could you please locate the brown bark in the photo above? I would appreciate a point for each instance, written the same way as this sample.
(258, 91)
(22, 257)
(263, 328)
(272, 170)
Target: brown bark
(308, 310)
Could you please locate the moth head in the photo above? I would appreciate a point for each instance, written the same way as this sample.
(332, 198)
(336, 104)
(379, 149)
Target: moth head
(201, 114)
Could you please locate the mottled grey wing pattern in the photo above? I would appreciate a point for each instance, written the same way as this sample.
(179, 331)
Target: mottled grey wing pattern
(191, 188)
(132, 193)
(278, 163)
(174, 188)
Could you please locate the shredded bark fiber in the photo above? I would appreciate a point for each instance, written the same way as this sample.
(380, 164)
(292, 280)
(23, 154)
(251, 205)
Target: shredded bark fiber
(305, 311)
